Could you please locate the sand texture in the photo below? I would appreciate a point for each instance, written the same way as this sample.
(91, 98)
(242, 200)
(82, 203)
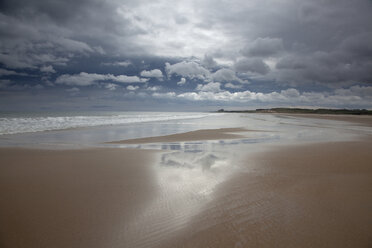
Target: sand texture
(365, 120)
(303, 196)
(206, 134)
(309, 195)
(75, 199)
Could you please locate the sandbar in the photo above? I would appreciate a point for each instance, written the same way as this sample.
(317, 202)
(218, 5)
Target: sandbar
(204, 134)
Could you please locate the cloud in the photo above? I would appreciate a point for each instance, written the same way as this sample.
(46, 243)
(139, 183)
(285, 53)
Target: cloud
(252, 65)
(85, 79)
(132, 88)
(156, 73)
(154, 88)
(30, 61)
(47, 69)
(361, 91)
(210, 87)
(71, 45)
(263, 47)
(168, 95)
(273, 45)
(188, 70)
(290, 93)
(15, 62)
(127, 79)
(125, 63)
(5, 72)
(290, 62)
(111, 86)
(82, 79)
(74, 89)
(232, 86)
(286, 97)
(354, 96)
(225, 75)
(182, 81)
(208, 62)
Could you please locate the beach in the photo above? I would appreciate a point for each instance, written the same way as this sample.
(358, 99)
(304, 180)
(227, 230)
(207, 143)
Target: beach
(306, 196)
(248, 181)
(73, 198)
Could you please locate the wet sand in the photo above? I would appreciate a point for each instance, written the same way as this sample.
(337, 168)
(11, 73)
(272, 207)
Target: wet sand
(316, 195)
(298, 196)
(71, 198)
(205, 134)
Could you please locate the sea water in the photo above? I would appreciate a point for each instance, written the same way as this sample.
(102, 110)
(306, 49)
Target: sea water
(12, 123)
(71, 129)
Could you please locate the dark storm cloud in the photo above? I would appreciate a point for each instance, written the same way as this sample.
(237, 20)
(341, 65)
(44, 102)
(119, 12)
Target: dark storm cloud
(174, 50)
(38, 32)
(253, 65)
(263, 47)
(333, 35)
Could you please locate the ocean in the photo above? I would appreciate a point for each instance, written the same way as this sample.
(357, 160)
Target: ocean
(15, 123)
(81, 129)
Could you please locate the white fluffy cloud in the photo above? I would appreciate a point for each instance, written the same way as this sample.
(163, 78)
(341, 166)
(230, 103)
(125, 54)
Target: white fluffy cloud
(156, 73)
(210, 87)
(243, 96)
(154, 88)
(127, 79)
(85, 79)
(47, 69)
(82, 79)
(353, 96)
(111, 86)
(132, 88)
(167, 95)
(182, 81)
(194, 70)
(188, 70)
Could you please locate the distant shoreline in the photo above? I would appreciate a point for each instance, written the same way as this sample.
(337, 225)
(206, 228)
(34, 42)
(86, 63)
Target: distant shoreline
(302, 111)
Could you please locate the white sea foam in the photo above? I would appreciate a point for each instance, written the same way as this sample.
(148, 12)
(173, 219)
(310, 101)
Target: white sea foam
(13, 125)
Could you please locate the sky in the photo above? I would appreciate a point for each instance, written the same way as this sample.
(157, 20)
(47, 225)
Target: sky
(200, 55)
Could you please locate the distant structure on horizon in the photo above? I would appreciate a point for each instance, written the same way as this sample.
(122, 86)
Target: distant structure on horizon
(303, 111)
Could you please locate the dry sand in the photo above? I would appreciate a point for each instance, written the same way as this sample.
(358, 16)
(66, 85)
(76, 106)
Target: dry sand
(205, 134)
(76, 198)
(365, 120)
